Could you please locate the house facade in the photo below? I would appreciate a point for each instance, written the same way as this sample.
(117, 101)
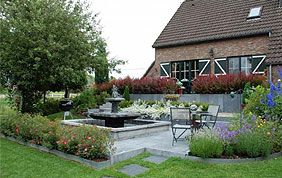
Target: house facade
(220, 37)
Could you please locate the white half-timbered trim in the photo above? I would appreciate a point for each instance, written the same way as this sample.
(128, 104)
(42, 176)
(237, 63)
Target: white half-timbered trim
(164, 70)
(206, 61)
(220, 67)
(259, 64)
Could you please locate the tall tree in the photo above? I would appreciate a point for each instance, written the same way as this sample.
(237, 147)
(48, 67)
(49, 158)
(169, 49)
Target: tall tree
(46, 45)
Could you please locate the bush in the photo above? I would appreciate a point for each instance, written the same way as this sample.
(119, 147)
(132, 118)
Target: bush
(225, 83)
(206, 145)
(8, 118)
(126, 93)
(144, 85)
(34, 129)
(125, 104)
(87, 99)
(85, 141)
(50, 106)
(252, 144)
(171, 97)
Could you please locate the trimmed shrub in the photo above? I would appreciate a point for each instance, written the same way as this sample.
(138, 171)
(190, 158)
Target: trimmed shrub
(126, 93)
(206, 145)
(252, 144)
(225, 83)
(88, 142)
(144, 85)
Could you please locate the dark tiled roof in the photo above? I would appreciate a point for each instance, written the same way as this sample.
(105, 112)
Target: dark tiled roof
(199, 21)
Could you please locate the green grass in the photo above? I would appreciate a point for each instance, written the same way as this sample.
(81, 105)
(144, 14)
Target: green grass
(21, 161)
(59, 116)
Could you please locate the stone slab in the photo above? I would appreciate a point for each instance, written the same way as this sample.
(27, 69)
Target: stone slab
(133, 169)
(156, 159)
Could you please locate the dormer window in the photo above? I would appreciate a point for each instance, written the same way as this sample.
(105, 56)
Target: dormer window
(255, 12)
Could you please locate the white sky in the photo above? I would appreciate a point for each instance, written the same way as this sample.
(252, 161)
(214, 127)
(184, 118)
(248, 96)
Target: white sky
(130, 28)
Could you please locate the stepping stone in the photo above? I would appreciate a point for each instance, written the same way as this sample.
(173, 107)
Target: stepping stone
(156, 159)
(133, 169)
(106, 177)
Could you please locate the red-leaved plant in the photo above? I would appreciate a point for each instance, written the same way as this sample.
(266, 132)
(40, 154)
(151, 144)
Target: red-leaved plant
(145, 85)
(225, 83)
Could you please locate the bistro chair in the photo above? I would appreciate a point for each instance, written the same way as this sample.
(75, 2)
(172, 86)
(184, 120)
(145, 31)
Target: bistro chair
(181, 121)
(208, 119)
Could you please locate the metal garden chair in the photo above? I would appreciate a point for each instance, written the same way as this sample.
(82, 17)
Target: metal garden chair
(209, 118)
(181, 121)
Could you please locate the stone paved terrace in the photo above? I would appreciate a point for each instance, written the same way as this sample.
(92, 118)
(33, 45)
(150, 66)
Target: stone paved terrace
(159, 143)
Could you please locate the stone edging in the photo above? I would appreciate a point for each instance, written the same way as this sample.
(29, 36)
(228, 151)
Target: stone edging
(211, 160)
(241, 160)
(92, 164)
(132, 153)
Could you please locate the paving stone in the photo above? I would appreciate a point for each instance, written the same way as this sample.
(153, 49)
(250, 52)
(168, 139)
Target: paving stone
(106, 177)
(156, 159)
(133, 169)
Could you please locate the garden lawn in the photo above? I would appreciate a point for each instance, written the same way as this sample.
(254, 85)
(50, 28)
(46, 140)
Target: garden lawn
(21, 161)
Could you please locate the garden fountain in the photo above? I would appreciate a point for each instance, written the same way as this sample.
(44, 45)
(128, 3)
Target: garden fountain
(123, 125)
(114, 118)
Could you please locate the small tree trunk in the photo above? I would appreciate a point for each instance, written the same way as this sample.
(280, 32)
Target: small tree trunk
(44, 97)
(67, 94)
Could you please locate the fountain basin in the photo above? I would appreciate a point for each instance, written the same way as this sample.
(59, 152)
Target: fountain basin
(115, 120)
(131, 129)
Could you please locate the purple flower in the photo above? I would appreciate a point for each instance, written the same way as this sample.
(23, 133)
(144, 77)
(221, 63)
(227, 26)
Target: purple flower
(280, 73)
(254, 117)
(270, 102)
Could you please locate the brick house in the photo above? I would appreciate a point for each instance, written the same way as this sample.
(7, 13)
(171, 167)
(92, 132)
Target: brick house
(219, 37)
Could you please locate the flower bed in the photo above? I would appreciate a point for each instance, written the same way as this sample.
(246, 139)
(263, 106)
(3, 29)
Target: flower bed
(156, 109)
(258, 134)
(87, 142)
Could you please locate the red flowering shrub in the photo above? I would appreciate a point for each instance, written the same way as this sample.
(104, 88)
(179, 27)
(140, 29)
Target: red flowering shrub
(225, 83)
(144, 85)
(88, 142)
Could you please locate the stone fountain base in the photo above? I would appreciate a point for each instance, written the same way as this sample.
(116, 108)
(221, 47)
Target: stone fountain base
(115, 120)
(131, 129)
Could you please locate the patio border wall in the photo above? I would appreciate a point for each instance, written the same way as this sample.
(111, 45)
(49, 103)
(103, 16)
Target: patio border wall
(227, 104)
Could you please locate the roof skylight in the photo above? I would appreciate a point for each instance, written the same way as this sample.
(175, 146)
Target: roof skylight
(255, 12)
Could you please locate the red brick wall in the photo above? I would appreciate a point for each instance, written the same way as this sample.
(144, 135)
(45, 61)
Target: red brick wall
(224, 48)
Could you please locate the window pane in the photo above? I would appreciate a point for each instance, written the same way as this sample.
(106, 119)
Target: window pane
(233, 64)
(255, 64)
(255, 12)
(175, 70)
(246, 65)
